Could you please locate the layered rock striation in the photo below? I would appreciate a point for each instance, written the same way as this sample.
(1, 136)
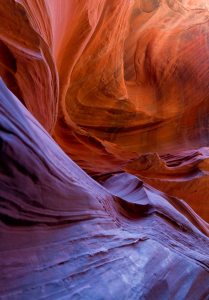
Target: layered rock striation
(118, 91)
(64, 236)
(114, 80)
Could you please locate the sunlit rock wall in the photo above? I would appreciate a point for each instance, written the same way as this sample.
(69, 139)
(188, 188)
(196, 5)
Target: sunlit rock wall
(122, 88)
(125, 77)
(64, 236)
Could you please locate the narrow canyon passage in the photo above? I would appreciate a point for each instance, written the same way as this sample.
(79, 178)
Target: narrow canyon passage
(104, 149)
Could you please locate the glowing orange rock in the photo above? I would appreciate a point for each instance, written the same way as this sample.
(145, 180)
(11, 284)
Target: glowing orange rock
(63, 235)
(122, 87)
(132, 75)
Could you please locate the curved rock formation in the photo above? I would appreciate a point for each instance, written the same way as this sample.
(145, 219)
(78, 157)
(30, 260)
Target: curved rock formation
(26, 63)
(122, 91)
(121, 88)
(64, 236)
(133, 75)
(183, 175)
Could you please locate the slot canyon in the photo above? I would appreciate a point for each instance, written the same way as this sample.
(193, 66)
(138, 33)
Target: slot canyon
(104, 149)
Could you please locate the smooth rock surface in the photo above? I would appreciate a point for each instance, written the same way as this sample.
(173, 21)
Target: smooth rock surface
(104, 154)
(111, 80)
(64, 236)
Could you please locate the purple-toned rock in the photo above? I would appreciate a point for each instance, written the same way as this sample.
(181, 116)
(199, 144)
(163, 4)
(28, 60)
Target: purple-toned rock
(64, 236)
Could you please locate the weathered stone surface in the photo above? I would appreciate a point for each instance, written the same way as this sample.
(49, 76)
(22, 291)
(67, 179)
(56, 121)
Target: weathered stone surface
(122, 87)
(133, 75)
(64, 236)
(183, 175)
(26, 63)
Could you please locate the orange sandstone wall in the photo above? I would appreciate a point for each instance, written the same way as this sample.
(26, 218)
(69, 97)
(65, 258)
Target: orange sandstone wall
(64, 236)
(114, 80)
(122, 87)
(131, 76)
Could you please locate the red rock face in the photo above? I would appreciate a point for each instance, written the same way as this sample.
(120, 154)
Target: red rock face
(143, 88)
(121, 88)
(64, 236)
(131, 77)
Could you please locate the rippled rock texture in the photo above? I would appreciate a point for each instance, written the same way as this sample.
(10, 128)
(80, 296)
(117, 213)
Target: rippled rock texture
(110, 79)
(118, 89)
(64, 236)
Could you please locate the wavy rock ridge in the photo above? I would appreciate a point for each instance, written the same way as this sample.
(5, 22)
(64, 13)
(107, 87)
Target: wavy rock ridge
(64, 236)
(122, 88)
